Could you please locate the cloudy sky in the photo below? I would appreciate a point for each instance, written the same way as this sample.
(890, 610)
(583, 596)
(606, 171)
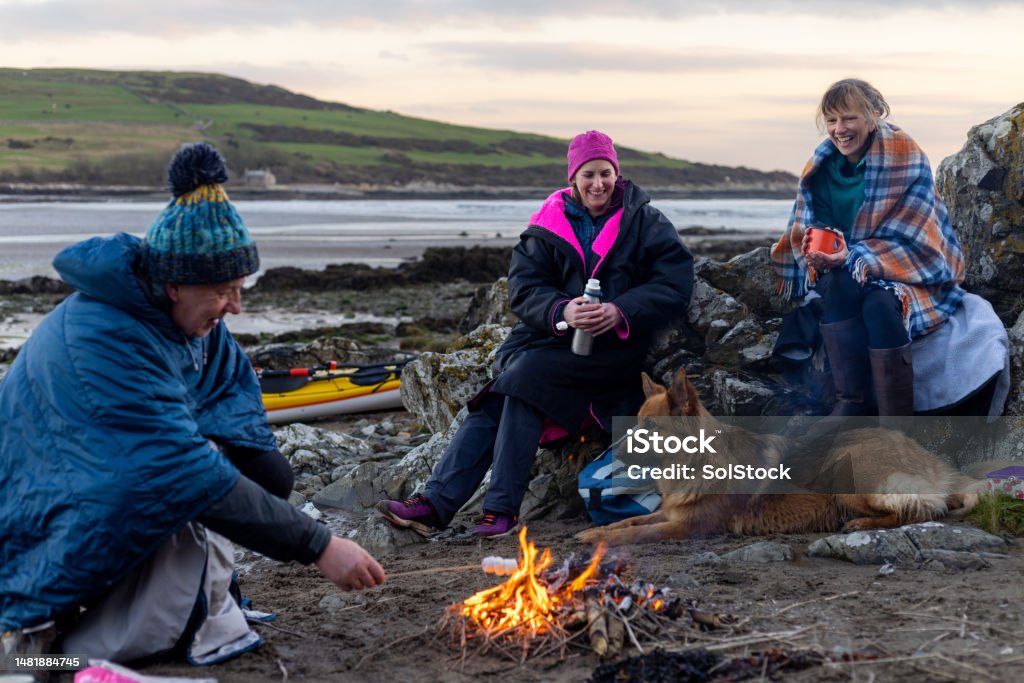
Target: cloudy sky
(732, 82)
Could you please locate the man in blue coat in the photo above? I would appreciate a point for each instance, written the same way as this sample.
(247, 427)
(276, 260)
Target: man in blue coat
(131, 426)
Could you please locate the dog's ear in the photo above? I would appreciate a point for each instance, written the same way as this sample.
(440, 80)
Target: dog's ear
(651, 388)
(683, 396)
(672, 406)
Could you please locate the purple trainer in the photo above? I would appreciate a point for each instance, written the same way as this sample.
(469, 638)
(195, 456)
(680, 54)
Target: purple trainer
(494, 524)
(414, 513)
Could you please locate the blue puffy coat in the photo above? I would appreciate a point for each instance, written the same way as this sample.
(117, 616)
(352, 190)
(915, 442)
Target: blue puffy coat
(105, 418)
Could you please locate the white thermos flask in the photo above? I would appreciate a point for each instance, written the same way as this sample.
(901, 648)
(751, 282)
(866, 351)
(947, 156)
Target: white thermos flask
(582, 341)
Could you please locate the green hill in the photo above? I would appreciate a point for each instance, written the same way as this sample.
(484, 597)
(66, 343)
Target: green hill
(104, 128)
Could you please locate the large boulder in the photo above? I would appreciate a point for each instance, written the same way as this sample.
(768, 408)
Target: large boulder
(436, 385)
(318, 456)
(363, 485)
(749, 278)
(927, 545)
(983, 187)
(1015, 401)
(489, 306)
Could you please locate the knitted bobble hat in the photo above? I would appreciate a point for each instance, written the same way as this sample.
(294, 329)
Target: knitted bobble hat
(589, 146)
(198, 238)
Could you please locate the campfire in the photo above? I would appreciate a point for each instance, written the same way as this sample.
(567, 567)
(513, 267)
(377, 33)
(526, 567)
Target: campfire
(544, 608)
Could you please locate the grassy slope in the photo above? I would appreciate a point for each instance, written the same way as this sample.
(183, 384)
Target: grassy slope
(120, 127)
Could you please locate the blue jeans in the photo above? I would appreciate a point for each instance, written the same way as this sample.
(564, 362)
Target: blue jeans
(844, 298)
(503, 432)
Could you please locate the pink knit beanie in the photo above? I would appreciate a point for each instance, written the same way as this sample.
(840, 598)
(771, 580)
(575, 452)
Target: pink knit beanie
(589, 146)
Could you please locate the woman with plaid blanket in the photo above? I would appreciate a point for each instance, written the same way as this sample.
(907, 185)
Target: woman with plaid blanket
(898, 275)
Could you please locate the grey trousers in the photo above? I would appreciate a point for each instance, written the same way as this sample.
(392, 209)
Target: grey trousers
(148, 611)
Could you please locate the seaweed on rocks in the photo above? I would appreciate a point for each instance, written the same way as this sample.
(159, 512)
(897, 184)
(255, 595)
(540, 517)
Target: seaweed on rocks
(437, 264)
(37, 284)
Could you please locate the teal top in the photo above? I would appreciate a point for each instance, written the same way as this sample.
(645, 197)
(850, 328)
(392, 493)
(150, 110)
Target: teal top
(837, 190)
(586, 227)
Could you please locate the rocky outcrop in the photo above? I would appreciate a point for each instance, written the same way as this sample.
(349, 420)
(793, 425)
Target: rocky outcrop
(280, 355)
(362, 485)
(1015, 403)
(489, 306)
(437, 264)
(321, 457)
(37, 284)
(316, 454)
(760, 552)
(435, 386)
(983, 187)
(930, 545)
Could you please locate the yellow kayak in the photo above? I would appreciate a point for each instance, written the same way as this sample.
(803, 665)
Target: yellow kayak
(307, 393)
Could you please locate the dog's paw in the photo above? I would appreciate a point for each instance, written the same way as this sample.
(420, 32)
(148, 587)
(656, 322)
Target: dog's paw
(964, 502)
(591, 536)
(859, 524)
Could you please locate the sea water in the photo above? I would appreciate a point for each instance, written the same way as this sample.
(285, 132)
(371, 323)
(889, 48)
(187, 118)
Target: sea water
(310, 234)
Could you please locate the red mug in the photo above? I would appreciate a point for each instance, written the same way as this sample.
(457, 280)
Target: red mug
(825, 241)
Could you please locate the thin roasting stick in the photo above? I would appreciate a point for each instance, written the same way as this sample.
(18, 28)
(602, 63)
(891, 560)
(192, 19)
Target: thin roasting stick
(436, 570)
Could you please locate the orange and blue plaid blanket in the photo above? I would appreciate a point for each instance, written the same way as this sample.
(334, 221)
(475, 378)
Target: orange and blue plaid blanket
(901, 240)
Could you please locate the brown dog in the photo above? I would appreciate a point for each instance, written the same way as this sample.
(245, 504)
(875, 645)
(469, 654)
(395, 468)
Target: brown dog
(897, 482)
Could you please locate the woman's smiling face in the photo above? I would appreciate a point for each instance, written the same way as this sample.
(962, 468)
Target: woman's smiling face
(595, 181)
(849, 129)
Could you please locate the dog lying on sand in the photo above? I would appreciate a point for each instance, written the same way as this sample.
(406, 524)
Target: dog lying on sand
(897, 482)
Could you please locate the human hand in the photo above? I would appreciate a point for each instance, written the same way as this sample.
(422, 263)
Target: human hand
(593, 318)
(348, 566)
(805, 244)
(822, 261)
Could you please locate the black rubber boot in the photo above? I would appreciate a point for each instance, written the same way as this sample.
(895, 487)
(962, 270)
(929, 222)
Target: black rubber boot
(893, 373)
(846, 344)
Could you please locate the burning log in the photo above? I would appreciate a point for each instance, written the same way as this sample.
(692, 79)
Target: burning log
(576, 620)
(616, 635)
(710, 620)
(598, 629)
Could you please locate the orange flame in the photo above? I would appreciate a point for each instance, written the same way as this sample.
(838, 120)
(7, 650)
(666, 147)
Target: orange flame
(523, 600)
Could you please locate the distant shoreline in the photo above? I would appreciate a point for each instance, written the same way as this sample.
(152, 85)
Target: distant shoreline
(314, 233)
(64, 192)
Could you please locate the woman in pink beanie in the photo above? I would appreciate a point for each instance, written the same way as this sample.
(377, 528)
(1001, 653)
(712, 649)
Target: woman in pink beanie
(602, 227)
